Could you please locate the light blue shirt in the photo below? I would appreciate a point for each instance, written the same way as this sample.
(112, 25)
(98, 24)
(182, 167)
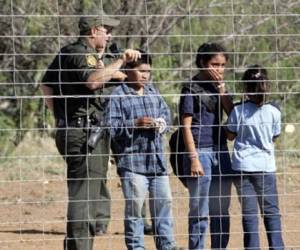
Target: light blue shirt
(255, 128)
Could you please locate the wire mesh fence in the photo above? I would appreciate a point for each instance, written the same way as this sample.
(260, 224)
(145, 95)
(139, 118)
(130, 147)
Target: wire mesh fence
(34, 175)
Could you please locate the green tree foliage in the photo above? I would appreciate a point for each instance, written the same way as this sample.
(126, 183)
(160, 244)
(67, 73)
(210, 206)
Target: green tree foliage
(265, 32)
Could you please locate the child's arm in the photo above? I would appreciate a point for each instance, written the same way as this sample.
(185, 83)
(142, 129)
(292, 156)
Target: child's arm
(115, 120)
(120, 126)
(232, 126)
(196, 167)
(226, 101)
(276, 124)
(144, 122)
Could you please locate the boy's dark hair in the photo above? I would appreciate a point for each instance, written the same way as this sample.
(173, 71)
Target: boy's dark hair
(256, 83)
(145, 59)
(207, 51)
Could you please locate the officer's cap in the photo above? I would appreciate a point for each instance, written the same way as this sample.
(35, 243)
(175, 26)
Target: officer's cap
(87, 22)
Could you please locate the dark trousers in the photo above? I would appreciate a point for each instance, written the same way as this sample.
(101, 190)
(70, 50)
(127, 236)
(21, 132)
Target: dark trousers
(219, 199)
(86, 174)
(103, 214)
(259, 188)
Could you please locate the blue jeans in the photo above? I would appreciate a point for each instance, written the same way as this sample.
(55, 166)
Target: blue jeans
(135, 188)
(199, 190)
(253, 188)
(219, 199)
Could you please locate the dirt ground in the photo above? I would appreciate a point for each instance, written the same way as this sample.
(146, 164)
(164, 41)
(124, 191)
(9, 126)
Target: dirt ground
(33, 206)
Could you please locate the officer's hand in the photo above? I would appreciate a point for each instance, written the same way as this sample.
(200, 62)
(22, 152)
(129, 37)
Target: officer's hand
(100, 64)
(131, 55)
(119, 76)
(144, 122)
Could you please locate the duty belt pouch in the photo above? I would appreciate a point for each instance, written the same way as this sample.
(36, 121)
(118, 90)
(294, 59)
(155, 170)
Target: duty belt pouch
(95, 130)
(60, 123)
(79, 122)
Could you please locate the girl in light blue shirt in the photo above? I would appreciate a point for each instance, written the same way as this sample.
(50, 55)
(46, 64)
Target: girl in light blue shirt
(255, 124)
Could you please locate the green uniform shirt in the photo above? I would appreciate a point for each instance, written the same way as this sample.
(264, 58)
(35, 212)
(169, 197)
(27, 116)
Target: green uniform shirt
(67, 76)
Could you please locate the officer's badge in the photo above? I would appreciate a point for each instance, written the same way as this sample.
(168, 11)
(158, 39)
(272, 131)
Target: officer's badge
(91, 61)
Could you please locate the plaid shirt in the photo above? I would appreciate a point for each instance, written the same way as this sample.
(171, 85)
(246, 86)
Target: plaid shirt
(137, 150)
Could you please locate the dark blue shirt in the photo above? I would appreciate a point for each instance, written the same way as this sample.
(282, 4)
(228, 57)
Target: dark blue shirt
(206, 123)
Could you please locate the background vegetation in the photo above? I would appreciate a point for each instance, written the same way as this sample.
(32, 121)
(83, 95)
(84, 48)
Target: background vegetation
(31, 33)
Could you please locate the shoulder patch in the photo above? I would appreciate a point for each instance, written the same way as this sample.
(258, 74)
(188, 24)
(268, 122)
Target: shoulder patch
(91, 60)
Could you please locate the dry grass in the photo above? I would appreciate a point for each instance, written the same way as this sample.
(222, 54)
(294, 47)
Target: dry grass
(33, 203)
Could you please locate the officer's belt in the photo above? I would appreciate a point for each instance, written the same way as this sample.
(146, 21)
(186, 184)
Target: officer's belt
(78, 122)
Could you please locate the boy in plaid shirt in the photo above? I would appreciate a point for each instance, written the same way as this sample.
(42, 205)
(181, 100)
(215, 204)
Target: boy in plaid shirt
(138, 116)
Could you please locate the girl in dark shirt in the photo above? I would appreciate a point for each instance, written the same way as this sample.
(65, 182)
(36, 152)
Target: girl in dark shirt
(201, 105)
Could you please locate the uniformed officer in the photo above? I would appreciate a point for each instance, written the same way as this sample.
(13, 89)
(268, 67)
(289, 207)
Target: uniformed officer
(72, 82)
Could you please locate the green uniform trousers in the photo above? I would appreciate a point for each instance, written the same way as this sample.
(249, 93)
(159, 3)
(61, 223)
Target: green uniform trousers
(104, 208)
(86, 180)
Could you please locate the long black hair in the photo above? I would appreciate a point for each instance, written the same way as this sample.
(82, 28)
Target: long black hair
(207, 51)
(256, 83)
